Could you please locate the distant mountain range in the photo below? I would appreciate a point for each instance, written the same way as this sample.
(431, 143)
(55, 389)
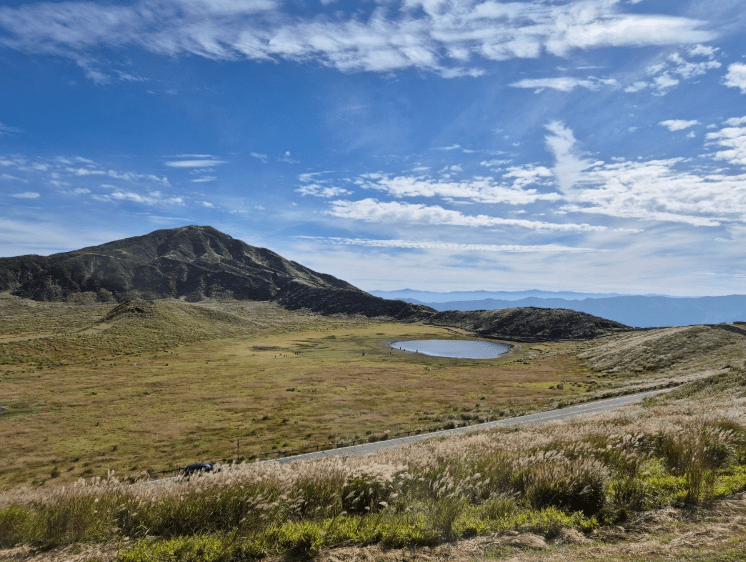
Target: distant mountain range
(642, 311)
(198, 262)
(455, 296)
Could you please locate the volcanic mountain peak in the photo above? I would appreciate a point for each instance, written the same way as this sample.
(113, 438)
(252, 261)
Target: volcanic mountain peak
(191, 261)
(198, 262)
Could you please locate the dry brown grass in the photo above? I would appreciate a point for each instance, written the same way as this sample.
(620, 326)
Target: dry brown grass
(701, 533)
(685, 349)
(185, 381)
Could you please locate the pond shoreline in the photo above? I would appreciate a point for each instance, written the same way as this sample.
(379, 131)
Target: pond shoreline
(453, 349)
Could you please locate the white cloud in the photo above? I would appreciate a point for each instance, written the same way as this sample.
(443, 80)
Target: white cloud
(86, 172)
(318, 190)
(202, 163)
(736, 76)
(687, 70)
(204, 179)
(477, 189)
(733, 140)
(678, 124)
(370, 210)
(494, 163)
(315, 186)
(8, 130)
(452, 246)
(569, 164)
(26, 195)
(565, 83)
(207, 204)
(262, 157)
(657, 191)
(287, 158)
(78, 191)
(669, 72)
(152, 198)
(703, 51)
(443, 37)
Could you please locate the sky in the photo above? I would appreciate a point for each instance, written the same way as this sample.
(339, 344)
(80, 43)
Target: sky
(592, 146)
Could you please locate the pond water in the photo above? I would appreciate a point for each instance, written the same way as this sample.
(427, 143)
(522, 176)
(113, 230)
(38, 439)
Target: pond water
(461, 349)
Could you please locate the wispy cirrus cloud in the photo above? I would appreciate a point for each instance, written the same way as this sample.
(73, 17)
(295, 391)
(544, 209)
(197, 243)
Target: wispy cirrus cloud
(371, 210)
(449, 38)
(8, 130)
(732, 138)
(661, 190)
(451, 246)
(565, 83)
(196, 163)
(26, 195)
(151, 198)
(515, 191)
(314, 185)
(657, 191)
(668, 73)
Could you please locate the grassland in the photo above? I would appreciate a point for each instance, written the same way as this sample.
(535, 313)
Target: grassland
(160, 387)
(151, 386)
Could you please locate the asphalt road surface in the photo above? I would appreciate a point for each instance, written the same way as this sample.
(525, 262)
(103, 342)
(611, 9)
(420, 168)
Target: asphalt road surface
(542, 417)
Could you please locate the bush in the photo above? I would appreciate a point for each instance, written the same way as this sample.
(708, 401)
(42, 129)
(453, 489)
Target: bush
(13, 524)
(302, 540)
(578, 485)
(365, 493)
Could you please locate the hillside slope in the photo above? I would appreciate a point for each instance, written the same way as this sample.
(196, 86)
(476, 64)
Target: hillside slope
(530, 324)
(684, 348)
(192, 262)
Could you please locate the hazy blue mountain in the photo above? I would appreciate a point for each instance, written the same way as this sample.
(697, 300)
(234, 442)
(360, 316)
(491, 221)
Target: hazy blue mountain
(435, 297)
(639, 311)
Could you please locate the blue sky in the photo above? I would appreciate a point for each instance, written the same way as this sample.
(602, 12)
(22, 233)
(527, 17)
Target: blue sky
(594, 146)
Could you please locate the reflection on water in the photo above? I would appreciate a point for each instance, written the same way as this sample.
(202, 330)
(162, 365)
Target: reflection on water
(462, 349)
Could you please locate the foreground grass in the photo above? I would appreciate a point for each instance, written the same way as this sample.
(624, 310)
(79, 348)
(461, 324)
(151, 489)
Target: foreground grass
(679, 451)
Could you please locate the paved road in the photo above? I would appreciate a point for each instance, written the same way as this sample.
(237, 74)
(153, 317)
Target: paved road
(541, 417)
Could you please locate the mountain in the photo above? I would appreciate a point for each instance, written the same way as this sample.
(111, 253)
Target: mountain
(633, 310)
(432, 297)
(192, 262)
(198, 262)
(529, 324)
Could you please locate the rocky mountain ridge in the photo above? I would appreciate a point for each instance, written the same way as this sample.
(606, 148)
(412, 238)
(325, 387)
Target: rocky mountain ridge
(198, 262)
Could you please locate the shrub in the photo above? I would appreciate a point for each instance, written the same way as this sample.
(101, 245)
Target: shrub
(302, 540)
(555, 481)
(364, 493)
(13, 524)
